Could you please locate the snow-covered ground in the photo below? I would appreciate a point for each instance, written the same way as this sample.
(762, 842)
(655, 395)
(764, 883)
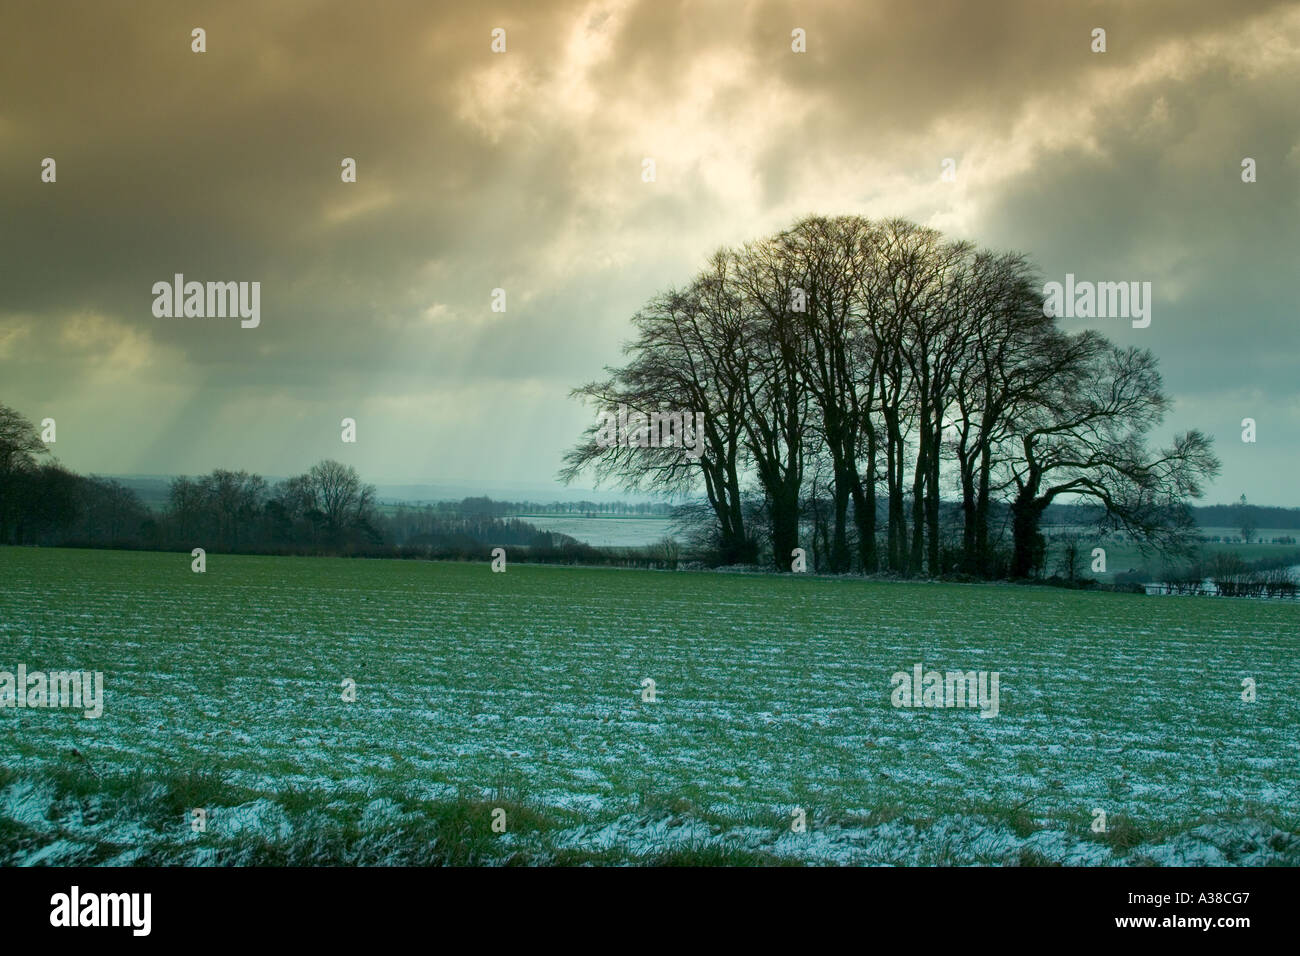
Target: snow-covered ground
(606, 531)
(771, 695)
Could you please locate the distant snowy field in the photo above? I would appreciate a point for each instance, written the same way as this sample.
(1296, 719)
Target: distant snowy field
(522, 691)
(605, 532)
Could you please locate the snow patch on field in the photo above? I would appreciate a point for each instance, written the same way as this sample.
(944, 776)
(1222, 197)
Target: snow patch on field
(772, 693)
(261, 818)
(955, 840)
(65, 837)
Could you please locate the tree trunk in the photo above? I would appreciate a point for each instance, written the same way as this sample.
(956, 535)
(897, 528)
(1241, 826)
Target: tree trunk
(864, 508)
(969, 518)
(897, 531)
(1026, 511)
(984, 562)
(840, 560)
(932, 502)
(785, 531)
(919, 481)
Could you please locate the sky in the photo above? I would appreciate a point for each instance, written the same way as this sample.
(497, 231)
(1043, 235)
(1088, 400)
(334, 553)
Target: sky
(522, 170)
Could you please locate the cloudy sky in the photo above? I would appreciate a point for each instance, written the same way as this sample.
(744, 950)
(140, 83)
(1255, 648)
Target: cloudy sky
(523, 171)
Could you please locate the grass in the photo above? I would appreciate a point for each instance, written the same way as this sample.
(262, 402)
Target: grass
(523, 691)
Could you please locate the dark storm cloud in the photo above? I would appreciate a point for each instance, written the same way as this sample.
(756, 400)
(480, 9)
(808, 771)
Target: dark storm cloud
(522, 171)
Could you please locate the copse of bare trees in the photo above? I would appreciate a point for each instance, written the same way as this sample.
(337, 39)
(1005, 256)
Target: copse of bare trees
(854, 359)
(328, 508)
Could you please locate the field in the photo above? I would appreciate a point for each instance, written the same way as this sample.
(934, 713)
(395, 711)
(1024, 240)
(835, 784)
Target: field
(1123, 555)
(523, 691)
(606, 532)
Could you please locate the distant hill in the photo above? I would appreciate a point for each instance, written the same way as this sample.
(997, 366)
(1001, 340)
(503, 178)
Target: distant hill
(153, 489)
(1207, 516)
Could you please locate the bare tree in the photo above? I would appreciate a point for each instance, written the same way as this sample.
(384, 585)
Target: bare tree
(1088, 441)
(1246, 521)
(855, 354)
(688, 355)
(829, 259)
(232, 499)
(20, 444)
(185, 504)
(1071, 559)
(1008, 346)
(337, 490)
(775, 397)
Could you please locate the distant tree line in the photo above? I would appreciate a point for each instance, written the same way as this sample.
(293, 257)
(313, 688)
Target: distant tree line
(491, 506)
(327, 510)
(852, 372)
(1228, 575)
(1207, 516)
(41, 502)
(1259, 516)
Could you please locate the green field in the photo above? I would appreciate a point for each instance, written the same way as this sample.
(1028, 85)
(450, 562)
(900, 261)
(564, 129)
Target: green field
(1123, 554)
(522, 691)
